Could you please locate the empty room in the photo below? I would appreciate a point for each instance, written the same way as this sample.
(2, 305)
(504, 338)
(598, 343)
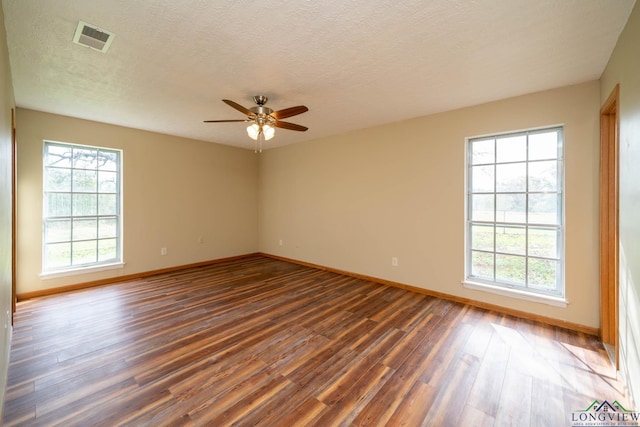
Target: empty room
(320, 213)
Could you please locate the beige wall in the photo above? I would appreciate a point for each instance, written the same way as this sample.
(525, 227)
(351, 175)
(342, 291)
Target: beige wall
(175, 191)
(624, 68)
(6, 104)
(353, 201)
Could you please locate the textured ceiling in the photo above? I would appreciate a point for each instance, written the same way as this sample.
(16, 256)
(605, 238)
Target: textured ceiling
(355, 64)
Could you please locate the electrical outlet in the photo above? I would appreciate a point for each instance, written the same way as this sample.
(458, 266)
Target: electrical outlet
(163, 251)
(280, 242)
(201, 240)
(394, 261)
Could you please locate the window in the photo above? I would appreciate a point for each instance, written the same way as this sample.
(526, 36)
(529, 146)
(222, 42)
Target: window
(82, 219)
(515, 211)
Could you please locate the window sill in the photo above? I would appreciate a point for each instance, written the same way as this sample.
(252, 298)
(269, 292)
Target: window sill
(80, 270)
(515, 293)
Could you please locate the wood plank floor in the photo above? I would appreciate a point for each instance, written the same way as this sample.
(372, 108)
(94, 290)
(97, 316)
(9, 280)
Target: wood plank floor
(260, 341)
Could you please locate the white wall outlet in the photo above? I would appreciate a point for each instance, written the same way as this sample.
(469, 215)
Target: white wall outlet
(201, 240)
(163, 251)
(280, 242)
(394, 261)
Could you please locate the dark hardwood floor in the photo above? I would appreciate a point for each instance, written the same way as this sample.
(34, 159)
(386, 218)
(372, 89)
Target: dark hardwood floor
(259, 341)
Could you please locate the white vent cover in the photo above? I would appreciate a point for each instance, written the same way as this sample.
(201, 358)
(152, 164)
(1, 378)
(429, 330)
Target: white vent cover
(91, 36)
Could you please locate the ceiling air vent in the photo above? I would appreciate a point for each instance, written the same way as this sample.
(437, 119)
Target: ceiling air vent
(91, 36)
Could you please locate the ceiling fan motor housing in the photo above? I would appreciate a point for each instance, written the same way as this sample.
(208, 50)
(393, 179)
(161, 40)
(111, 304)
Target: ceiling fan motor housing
(263, 114)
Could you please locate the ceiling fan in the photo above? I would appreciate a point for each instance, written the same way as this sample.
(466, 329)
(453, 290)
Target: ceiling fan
(264, 120)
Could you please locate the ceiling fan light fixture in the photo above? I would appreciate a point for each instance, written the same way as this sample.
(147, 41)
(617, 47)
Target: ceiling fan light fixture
(253, 131)
(268, 132)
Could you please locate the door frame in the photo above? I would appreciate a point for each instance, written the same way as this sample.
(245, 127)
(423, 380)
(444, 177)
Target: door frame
(609, 213)
(14, 233)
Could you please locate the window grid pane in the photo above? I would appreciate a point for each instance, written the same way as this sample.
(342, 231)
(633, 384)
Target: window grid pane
(514, 224)
(81, 206)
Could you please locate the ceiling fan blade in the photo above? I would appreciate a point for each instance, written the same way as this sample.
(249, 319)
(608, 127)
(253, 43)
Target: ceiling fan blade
(290, 126)
(224, 121)
(289, 112)
(240, 108)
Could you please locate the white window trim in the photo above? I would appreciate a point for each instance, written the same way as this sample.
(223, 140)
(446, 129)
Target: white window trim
(518, 294)
(80, 270)
(95, 267)
(504, 290)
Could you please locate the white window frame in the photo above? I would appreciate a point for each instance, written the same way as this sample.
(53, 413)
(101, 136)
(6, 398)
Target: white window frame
(100, 218)
(526, 290)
